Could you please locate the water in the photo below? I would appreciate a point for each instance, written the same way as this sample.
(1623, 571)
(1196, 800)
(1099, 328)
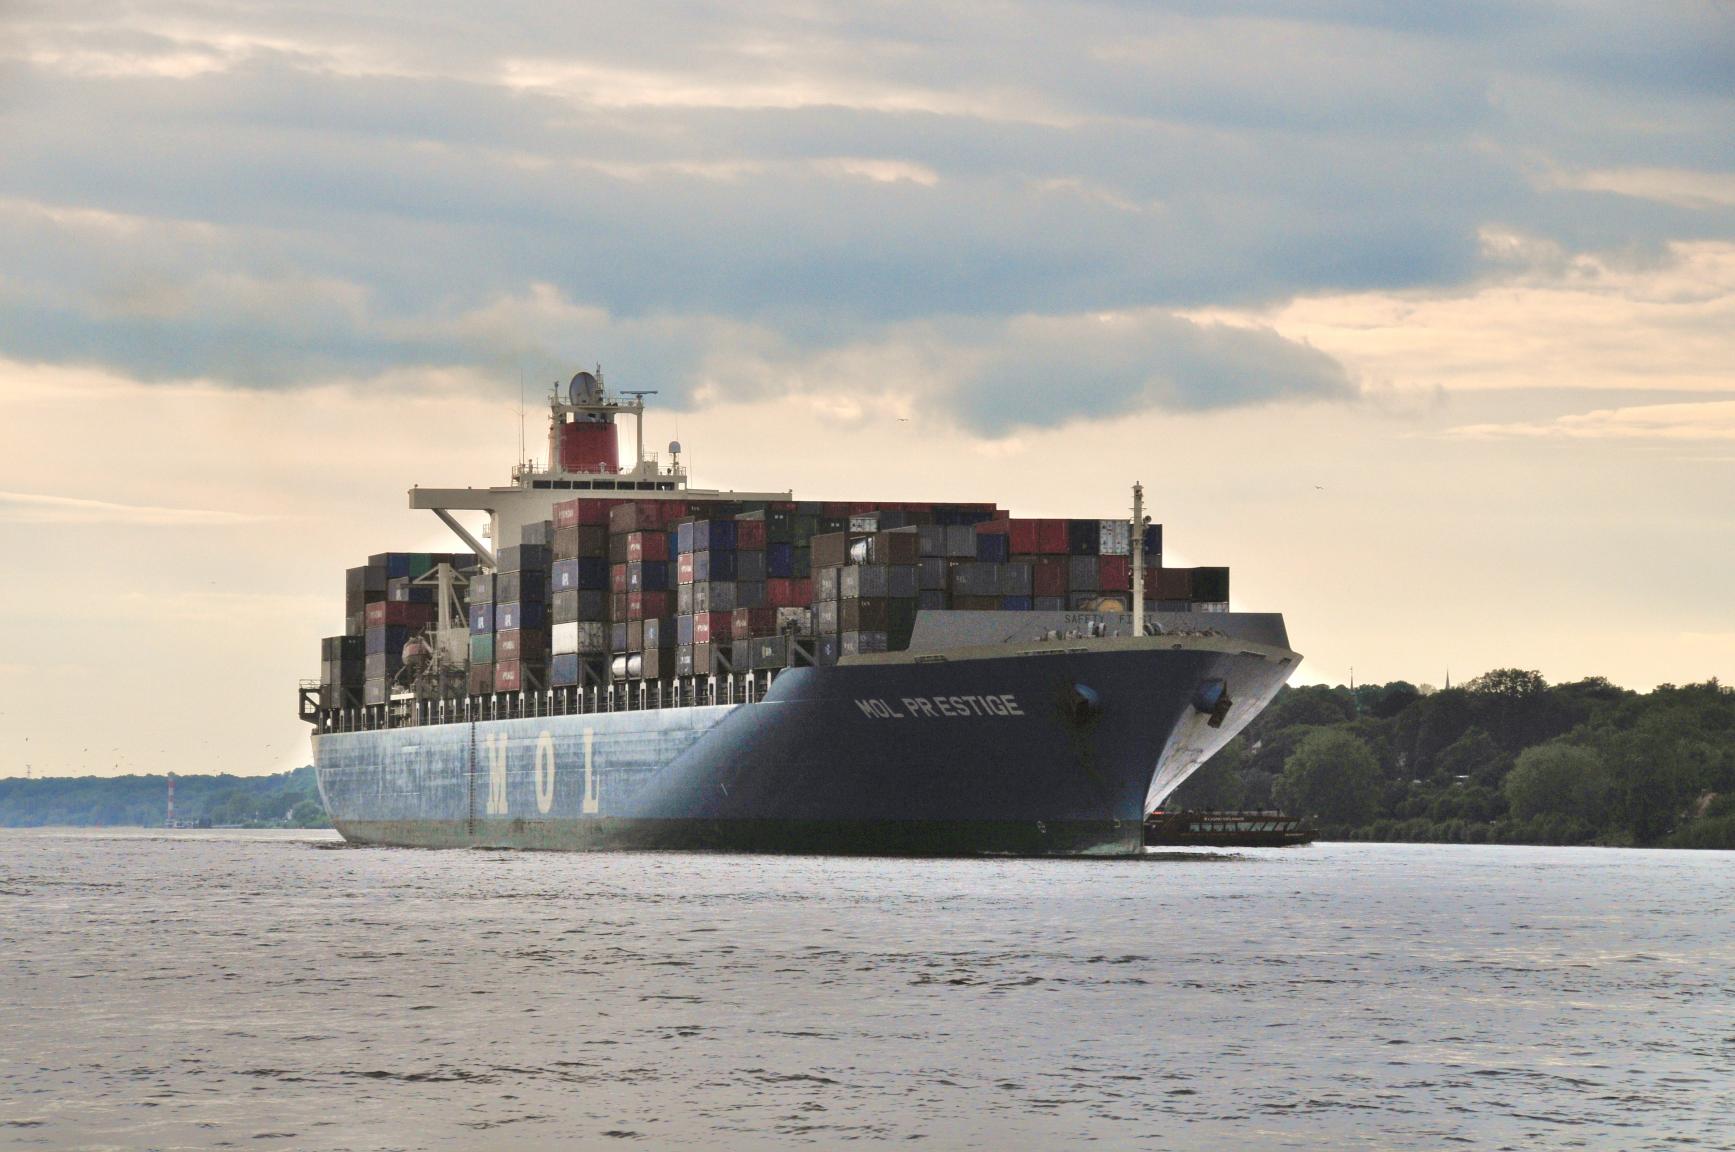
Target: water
(265, 991)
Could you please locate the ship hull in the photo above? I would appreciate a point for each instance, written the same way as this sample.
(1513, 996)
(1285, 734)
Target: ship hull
(1029, 753)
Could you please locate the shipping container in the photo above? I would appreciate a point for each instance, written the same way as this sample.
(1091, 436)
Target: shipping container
(1016, 604)
(482, 648)
(522, 557)
(1081, 573)
(825, 616)
(563, 669)
(383, 613)
(1114, 573)
(643, 604)
(389, 638)
(713, 565)
(519, 675)
(714, 596)
(520, 614)
(750, 535)
(589, 637)
(1016, 579)
(1048, 575)
(1023, 537)
(712, 627)
(1211, 584)
(635, 635)
(993, 547)
(761, 621)
(788, 593)
(581, 573)
(537, 533)
(1114, 537)
(376, 665)
(376, 691)
(643, 546)
(658, 663)
(1083, 537)
(524, 586)
(1173, 584)
(520, 644)
(481, 589)
(648, 576)
(481, 679)
(1052, 537)
(750, 566)
(930, 600)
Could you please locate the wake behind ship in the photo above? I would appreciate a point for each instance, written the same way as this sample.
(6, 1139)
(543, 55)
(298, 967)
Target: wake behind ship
(649, 665)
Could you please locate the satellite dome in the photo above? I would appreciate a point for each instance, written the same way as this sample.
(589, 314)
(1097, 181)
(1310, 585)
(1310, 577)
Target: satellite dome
(674, 447)
(584, 389)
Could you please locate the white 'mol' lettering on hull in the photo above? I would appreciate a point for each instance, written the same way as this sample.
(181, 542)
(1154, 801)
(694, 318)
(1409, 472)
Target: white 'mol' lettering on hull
(592, 802)
(545, 773)
(495, 746)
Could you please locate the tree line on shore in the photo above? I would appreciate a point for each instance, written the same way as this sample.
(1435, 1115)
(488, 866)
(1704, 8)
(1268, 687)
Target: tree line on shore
(284, 800)
(1506, 758)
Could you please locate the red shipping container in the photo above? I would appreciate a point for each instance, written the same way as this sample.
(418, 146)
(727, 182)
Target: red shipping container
(684, 569)
(1114, 573)
(643, 604)
(712, 627)
(834, 508)
(1002, 527)
(508, 676)
(750, 535)
(1023, 534)
(617, 577)
(1051, 538)
(750, 622)
(1048, 576)
(643, 546)
(398, 613)
(1151, 580)
(789, 593)
(586, 510)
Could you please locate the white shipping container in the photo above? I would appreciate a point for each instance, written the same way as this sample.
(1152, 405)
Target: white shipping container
(580, 636)
(1114, 538)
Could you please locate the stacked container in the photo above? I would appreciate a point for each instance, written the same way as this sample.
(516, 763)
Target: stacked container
(521, 617)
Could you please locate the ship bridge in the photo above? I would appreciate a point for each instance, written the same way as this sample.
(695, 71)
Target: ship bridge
(583, 459)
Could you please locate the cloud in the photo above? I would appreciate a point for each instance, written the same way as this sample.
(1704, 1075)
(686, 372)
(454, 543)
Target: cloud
(265, 197)
(1704, 420)
(36, 508)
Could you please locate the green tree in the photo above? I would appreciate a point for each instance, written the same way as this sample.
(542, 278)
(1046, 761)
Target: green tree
(1557, 779)
(1332, 776)
(1475, 756)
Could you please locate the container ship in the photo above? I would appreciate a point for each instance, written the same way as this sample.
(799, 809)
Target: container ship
(624, 661)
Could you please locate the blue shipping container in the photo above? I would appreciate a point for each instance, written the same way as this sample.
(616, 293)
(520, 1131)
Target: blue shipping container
(1016, 603)
(993, 547)
(714, 536)
(709, 566)
(481, 618)
(389, 639)
(780, 561)
(564, 670)
(520, 614)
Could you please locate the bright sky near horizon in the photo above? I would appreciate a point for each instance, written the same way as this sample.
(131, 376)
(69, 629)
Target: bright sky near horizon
(1420, 317)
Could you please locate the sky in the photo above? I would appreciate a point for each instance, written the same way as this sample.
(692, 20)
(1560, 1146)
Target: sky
(1419, 317)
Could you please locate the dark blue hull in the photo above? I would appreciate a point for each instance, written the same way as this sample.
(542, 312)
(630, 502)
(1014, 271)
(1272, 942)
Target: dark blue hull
(1049, 754)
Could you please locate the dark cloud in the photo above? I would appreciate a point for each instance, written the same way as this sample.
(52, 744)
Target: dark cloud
(270, 197)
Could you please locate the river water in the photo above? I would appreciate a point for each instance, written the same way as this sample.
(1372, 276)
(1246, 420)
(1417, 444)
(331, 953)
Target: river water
(266, 990)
